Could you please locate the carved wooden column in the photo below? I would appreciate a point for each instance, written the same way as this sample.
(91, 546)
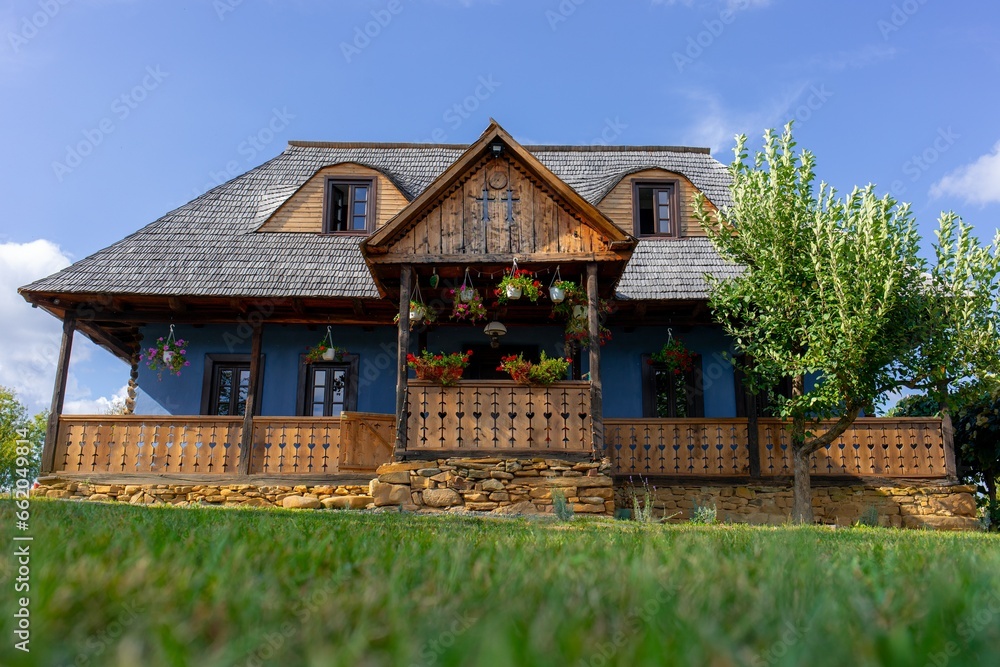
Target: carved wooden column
(246, 443)
(402, 349)
(594, 332)
(133, 383)
(58, 394)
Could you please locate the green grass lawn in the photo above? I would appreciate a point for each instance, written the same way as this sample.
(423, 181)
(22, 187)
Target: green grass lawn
(121, 585)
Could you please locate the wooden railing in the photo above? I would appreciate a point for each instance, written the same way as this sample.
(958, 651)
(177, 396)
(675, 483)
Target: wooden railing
(498, 415)
(884, 447)
(877, 447)
(282, 446)
(695, 447)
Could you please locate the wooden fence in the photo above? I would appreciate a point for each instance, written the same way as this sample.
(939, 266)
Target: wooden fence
(282, 446)
(906, 448)
(498, 415)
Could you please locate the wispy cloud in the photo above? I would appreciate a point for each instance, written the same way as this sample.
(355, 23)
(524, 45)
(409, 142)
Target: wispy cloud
(716, 125)
(976, 183)
(863, 56)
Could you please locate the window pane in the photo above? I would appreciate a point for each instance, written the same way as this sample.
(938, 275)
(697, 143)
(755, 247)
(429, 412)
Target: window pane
(336, 410)
(360, 223)
(662, 196)
(319, 376)
(646, 223)
(224, 391)
(319, 393)
(317, 410)
(360, 207)
(361, 194)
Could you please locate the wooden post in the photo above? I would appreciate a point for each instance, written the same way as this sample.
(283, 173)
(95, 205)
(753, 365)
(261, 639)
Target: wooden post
(246, 442)
(753, 437)
(133, 383)
(594, 332)
(58, 394)
(402, 349)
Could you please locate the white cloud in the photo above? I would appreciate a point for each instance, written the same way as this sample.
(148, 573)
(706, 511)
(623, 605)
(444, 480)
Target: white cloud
(976, 183)
(97, 406)
(29, 339)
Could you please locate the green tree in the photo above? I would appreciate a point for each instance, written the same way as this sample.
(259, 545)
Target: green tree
(16, 428)
(833, 288)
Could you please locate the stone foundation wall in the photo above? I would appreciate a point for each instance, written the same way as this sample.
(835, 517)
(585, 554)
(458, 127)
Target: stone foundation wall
(525, 486)
(500, 486)
(349, 496)
(899, 505)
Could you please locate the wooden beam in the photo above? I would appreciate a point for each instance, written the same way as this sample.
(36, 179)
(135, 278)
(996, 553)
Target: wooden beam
(58, 394)
(594, 332)
(246, 443)
(402, 348)
(176, 304)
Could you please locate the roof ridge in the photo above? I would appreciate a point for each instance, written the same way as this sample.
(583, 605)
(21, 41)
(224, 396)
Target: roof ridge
(582, 148)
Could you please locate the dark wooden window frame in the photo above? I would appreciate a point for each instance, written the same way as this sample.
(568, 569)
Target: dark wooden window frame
(675, 209)
(370, 183)
(695, 394)
(755, 404)
(352, 361)
(207, 383)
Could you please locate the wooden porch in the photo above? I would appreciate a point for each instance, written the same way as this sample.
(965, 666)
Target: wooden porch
(484, 419)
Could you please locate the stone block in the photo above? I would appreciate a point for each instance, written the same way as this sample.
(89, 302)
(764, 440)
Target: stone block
(493, 485)
(402, 466)
(394, 477)
(481, 507)
(523, 507)
(300, 503)
(441, 497)
(99, 496)
(588, 509)
(347, 502)
(388, 494)
(256, 502)
(959, 504)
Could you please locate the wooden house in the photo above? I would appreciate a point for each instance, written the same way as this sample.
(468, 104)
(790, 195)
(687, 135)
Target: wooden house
(340, 238)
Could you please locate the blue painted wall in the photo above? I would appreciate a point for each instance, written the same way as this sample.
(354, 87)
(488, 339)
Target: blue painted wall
(283, 344)
(621, 368)
(376, 349)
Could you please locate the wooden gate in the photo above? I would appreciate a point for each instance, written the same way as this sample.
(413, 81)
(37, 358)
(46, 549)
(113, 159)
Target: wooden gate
(366, 440)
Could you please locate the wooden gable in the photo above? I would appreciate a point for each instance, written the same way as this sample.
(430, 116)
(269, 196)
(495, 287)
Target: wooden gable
(303, 211)
(530, 215)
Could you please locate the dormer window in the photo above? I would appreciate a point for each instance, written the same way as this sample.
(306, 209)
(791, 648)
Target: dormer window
(655, 209)
(347, 207)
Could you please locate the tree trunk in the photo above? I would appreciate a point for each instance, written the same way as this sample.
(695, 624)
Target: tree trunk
(991, 489)
(803, 509)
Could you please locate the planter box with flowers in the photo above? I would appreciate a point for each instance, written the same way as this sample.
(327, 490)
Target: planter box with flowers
(545, 371)
(443, 368)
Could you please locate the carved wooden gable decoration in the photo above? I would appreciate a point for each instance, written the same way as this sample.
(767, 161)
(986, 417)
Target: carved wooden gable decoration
(496, 203)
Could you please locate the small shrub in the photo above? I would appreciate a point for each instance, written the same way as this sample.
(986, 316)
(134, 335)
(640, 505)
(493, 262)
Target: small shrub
(703, 515)
(561, 506)
(869, 517)
(642, 504)
(989, 518)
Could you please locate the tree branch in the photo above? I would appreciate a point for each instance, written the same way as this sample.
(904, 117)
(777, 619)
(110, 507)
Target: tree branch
(835, 432)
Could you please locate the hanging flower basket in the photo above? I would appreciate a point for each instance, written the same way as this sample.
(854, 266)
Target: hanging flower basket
(572, 296)
(419, 313)
(673, 357)
(517, 284)
(471, 309)
(545, 371)
(169, 354)
(325, 350)
(443, 368)
(578, 331)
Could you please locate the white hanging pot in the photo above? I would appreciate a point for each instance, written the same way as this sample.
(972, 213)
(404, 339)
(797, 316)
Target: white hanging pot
(466, 295)
(579, 312)
(557, 294)
(329, 354)
(167, 356)
(416, 314)
(513, 292)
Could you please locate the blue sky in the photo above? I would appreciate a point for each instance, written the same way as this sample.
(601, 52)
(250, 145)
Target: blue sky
(116, 111)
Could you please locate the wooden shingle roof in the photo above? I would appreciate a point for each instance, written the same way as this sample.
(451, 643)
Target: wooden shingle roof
(209, 247)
